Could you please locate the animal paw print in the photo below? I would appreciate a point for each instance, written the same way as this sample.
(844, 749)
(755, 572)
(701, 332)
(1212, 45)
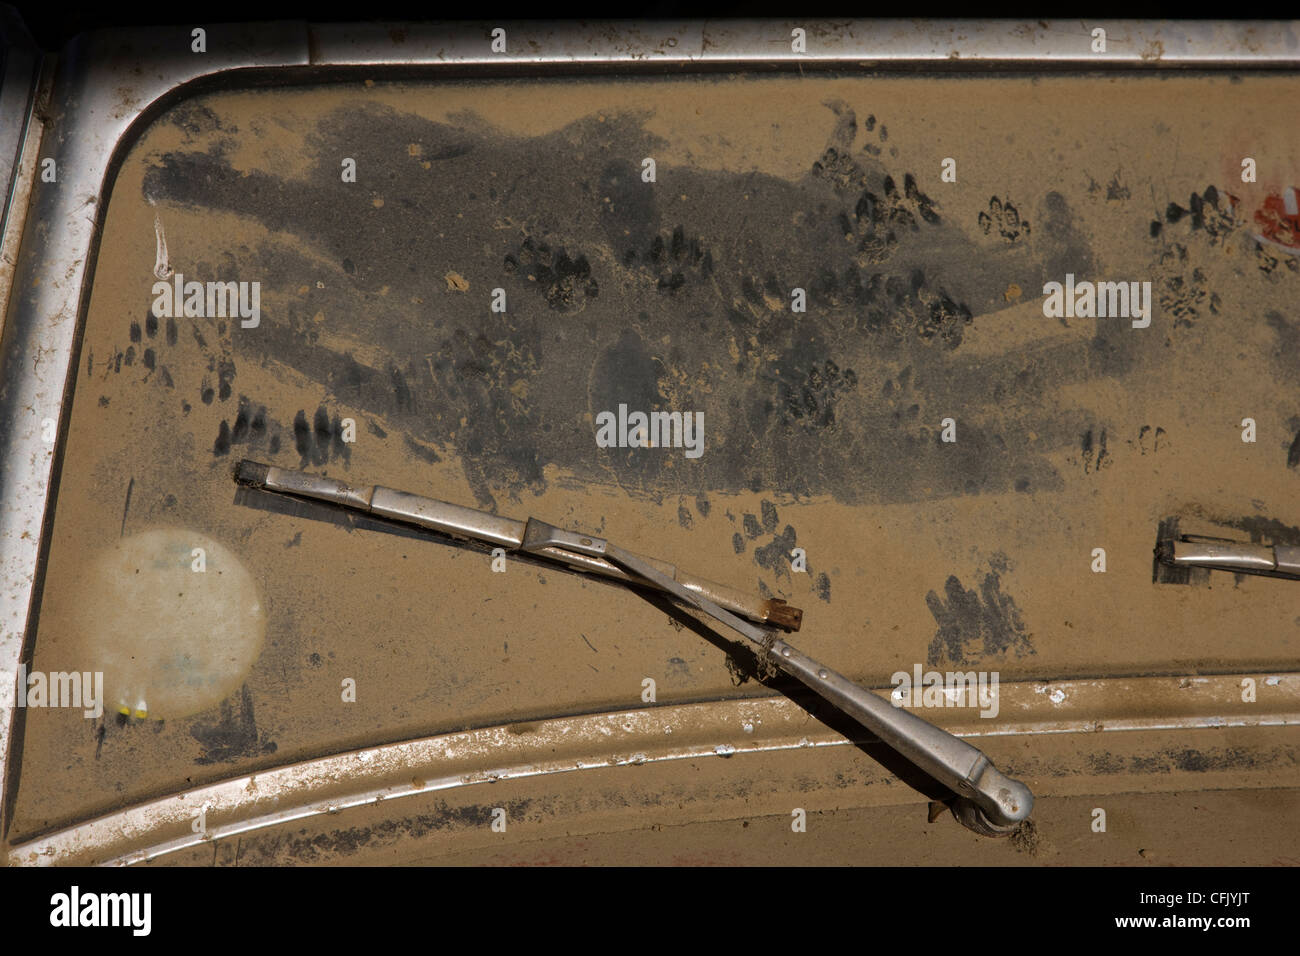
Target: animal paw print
(487, 378)
(224, 369)
(869, 147)
(1184, 290)
(878, 220)
(1202, 215)
(975, 625)
(778, 554)
(144, 348)
(836, 164)
(810, 399)
(684, 516)
(840, 169)
(1183, 294)
(152, 339)
(944, 318)
(1092, 451)
(1268, 261)
(1151, 440)
(320, 441)
(673, 260)
(1003, 219)
(901, 397)
(251, 428)
(566, 283)
(1116, 189)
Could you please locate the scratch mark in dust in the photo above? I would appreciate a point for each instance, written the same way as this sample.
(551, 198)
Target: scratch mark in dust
(127, 507)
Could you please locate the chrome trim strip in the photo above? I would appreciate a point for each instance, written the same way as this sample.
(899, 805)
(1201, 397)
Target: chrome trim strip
(889, 44)
(631, 738)
(19, 75)
(19, 182)
(110, 82)
(99, 95)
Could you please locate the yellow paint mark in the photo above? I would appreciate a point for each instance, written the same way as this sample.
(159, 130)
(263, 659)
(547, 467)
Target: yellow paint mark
(377, 203)
(456, 282)
(1013, 293)
(414, 149)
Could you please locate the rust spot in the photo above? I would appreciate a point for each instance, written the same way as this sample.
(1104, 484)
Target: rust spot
(776, 611)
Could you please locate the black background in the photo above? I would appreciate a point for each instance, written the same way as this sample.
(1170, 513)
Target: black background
(53, 23)
(905, 910)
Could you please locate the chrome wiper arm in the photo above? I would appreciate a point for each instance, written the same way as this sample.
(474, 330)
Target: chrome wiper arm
(1222, 554)
(966, 770)
(464, 523)
(989, 801)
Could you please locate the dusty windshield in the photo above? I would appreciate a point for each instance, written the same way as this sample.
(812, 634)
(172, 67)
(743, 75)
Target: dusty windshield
(920, 348)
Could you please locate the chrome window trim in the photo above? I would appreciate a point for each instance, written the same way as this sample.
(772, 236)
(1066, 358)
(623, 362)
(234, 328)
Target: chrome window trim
(729, 728)
(109, 85)
(19, 75)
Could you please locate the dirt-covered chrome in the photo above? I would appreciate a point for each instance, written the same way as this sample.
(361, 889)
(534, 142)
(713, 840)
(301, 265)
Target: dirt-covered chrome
(632, 740)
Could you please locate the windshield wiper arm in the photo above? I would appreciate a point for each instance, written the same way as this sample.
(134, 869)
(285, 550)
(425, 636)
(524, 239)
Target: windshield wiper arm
(1223, 554)
(460, 522)
(988, 800)
(966, 770)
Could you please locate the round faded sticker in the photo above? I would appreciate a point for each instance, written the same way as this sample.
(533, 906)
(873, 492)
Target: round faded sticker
(172, 619)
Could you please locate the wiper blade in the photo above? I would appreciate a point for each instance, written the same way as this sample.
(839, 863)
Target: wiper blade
(464, 523)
